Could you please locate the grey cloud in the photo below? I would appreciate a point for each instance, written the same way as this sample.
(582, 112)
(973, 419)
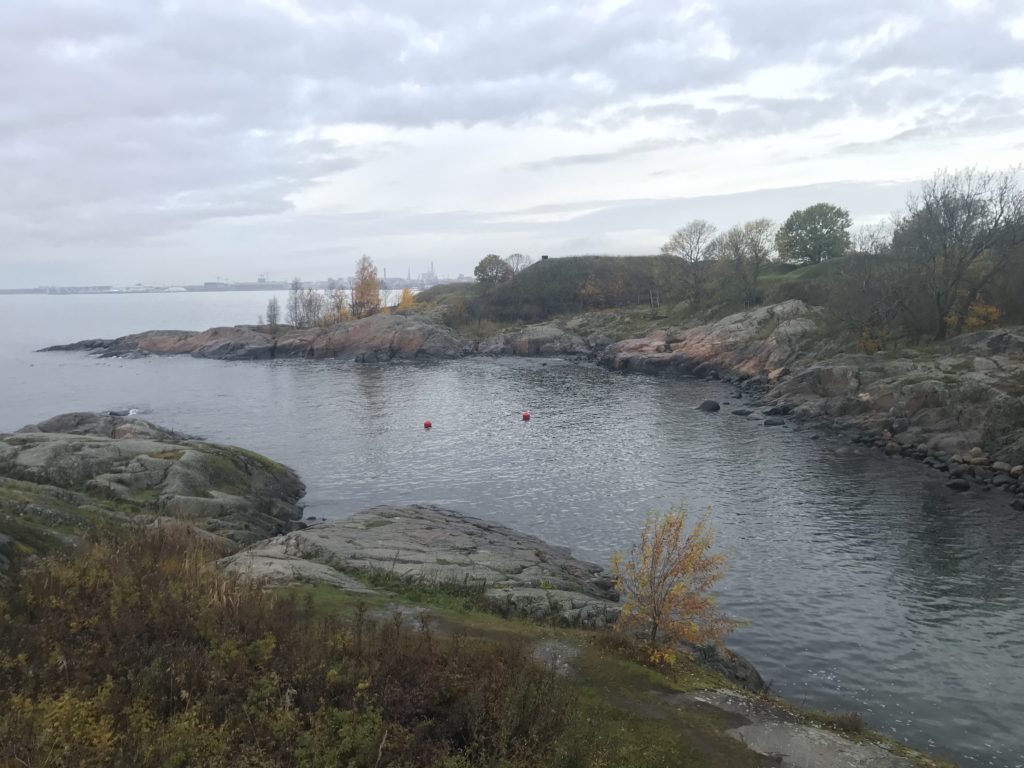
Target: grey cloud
(955, 42)
(130, 121)
(590, 217)
(321, 245)
(643, 147)
(663, 215)
(975, 115)
(743, 117)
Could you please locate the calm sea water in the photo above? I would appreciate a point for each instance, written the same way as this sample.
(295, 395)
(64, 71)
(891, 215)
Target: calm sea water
(867, 585)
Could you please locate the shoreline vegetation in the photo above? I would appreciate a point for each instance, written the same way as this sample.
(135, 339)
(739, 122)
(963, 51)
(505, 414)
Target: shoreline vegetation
(401, 636)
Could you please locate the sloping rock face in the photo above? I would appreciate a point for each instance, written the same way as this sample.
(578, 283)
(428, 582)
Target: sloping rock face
(535, 341)
(941, 404)
(83, 473)
(938, 405)
(523, 575)
(747, 343)
(375, 338)
(388, 337)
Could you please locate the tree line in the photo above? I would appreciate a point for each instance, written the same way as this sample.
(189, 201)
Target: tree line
(311, 307)
(951, 260)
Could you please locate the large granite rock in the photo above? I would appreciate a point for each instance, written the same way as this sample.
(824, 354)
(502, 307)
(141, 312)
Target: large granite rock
(84, 473)
(522, 574)
(535, 341)
(747, 343)
(376, 338)
(386, 337)
(942, 402)
(938, 402)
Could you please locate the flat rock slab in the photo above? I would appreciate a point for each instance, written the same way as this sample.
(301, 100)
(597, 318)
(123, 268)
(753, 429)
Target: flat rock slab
(283, 570)
(522, 574)
(774, 732)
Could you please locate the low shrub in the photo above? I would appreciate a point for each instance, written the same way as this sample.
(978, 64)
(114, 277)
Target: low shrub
(139, 652)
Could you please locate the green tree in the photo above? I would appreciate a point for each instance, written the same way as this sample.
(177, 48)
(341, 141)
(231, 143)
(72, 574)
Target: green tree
(814, 234)
(492, 270)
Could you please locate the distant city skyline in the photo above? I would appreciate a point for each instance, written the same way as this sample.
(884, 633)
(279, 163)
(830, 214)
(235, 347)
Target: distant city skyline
(171, 142)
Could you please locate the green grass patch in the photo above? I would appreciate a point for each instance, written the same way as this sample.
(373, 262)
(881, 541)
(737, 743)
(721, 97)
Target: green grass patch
(440, 591)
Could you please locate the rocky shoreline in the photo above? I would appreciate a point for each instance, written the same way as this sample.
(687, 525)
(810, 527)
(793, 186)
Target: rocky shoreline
(957, 407)
(80, 475)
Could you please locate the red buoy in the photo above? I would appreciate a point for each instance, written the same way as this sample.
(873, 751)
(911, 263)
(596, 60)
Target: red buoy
(526, 415)
(427, 425)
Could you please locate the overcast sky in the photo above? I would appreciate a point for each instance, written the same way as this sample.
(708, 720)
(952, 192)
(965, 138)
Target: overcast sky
(185, 140)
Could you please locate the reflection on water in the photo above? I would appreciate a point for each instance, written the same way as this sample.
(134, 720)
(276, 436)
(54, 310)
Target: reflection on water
(868, 586)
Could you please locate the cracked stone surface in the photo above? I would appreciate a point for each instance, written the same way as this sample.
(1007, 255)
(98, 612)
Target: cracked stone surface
(523, 574)
(79, 473)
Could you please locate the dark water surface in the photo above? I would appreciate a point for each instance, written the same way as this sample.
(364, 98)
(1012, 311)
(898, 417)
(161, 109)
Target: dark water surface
(868, 586)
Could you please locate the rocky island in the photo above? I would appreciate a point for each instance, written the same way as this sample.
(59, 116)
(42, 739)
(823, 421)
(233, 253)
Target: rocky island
(371, 339)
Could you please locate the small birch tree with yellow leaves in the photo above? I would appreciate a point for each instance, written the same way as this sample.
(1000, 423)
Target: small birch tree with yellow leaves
(665, 583)
(407, 300)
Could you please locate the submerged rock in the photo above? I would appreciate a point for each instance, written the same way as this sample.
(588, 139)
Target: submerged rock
(709, 406)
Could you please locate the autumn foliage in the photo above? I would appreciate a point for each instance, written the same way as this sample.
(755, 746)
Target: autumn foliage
(407, 300)
(666, 580)
(140, 652)
(365, 290)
